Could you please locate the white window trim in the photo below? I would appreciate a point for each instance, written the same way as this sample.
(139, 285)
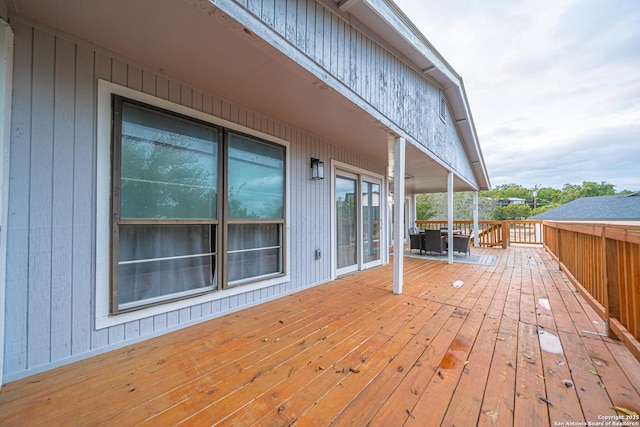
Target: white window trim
(103, 318)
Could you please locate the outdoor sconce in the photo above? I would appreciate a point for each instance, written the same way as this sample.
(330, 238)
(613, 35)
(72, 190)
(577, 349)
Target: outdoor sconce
(317, 168)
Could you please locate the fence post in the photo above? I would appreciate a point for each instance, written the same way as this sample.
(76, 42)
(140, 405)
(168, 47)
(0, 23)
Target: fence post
(559, 248)
(506, 235)
(603, 275)
(612, 280)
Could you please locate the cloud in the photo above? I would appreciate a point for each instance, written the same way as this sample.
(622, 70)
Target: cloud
(589, 156)
(553, 86)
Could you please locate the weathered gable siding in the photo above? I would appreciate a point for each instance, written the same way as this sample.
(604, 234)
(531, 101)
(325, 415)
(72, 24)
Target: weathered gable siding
(384, 81)
(51, 226)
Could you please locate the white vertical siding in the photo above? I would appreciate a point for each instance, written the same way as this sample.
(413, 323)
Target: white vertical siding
(50, 315)
(40, 200)
(82, 248)
(18, 216)
(62, 200)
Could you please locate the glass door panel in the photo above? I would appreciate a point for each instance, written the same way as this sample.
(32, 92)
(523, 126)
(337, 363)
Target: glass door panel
(370, 222)
(346, 224)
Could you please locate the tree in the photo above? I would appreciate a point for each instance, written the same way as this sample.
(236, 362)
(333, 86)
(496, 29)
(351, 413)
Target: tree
(434, 206)
(424, 207)
(516, 211)
(592, 189)
(572, 192)
(548, 196)
(545, 208)
(166, 179)
(508, 191)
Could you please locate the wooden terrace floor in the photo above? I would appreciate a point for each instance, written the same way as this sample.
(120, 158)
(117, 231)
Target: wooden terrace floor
(351, 353)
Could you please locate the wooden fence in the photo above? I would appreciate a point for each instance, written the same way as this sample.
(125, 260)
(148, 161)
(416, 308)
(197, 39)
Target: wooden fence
(603, 261)
(494, 233)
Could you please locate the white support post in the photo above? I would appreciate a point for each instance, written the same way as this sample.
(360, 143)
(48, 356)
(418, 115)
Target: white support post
(414, 211)
(385, 238)
(476, 232)
(450, 217)
(398, 226)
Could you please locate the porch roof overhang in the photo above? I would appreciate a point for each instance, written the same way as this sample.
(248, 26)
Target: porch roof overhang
(217, 46)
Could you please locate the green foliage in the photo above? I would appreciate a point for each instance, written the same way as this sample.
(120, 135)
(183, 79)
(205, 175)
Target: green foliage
(548, 196)
(508, 191)
(545, 208)
(515, 211)
(424, 207)
(434, 206)
(587, 189)
(165, 181)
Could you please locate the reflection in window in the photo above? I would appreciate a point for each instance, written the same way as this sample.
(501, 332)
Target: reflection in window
(255, 208)
(166, 202)
(168, 171)
(256, 179)
(346, 222)
(169, 166)
(370, 221)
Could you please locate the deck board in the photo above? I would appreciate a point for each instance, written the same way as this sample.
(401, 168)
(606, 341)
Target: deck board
(350, 352)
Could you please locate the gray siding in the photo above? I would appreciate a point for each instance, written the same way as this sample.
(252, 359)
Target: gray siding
(381, 79)
(51, 226)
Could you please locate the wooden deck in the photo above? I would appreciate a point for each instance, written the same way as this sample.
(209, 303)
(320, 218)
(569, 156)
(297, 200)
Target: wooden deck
(351, 353)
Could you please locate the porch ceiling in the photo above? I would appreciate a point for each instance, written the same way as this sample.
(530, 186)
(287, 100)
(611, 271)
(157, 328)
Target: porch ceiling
(210, 51)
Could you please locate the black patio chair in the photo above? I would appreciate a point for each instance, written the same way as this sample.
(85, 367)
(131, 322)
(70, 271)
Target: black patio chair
(433, 241)
(461, 243)
(414, 239)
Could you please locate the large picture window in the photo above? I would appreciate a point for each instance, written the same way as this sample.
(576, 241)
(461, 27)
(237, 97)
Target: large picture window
(195, 208)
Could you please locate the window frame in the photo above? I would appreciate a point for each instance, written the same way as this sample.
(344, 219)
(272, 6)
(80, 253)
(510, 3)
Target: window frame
(224, 250)
(117, 103)
(443, 107)
(104, 317)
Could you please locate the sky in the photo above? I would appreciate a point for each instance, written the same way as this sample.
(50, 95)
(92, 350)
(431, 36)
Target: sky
(553, 86)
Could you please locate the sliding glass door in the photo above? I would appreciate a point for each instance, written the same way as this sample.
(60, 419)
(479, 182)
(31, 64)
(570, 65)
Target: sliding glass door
(370, 222)
(357, 219)
(346, 223)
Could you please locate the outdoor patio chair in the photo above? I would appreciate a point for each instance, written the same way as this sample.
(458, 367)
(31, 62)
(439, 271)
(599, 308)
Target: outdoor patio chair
(461, 244)
(414, 239)
(433, 241)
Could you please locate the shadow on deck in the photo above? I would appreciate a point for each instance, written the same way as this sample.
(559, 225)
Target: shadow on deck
(513, 345)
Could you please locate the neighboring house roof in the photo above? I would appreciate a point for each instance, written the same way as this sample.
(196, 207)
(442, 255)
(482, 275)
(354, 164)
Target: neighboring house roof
(624, 207)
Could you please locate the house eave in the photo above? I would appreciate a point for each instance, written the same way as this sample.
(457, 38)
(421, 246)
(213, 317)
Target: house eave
(390, 23)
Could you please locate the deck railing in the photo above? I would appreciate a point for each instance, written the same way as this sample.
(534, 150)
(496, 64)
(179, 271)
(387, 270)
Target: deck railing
(493, 233)
(603, 261)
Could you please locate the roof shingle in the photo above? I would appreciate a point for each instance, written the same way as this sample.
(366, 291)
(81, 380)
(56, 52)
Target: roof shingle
(624, 207)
